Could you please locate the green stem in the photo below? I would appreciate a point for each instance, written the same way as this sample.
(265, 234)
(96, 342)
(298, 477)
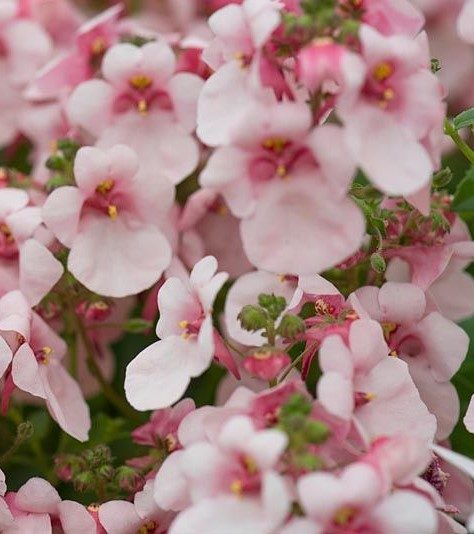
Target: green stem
(108, 391)
(450, 130)
(296, 361)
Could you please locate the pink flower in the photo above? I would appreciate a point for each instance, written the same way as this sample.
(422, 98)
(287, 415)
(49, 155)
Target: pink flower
(388, 109)
(354, 501)
(160, 374)
(392, 17)
(232, 514)
(432, 346)
(143, 515)
(111, 221)
(266, 364)
(361, 382)
(30, 359)
(67, 71)
(37, 506)
(142, 103)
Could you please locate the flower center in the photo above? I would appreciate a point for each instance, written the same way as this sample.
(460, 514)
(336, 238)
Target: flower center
(275, 144)
(98, 46)
(140, 82)
(382, 71)
(105, 186)
(344, 515)
(147, 527)
(43, 355)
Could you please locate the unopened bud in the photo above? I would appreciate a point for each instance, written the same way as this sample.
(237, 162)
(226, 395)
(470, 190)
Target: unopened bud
(84, 481)
(24, 431)
(128, 478)
(316, 431)
(378, 263)
(442, 178)
(252, 318)
(55, 162)
(273, 304)
(291, 326)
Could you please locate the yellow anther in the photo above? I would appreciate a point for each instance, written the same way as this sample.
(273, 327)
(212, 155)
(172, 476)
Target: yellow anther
(388, 94)
(171, 442)
(393, 353)
(250, 465)
(382, 71)
(222, 210)
(5, 230)
(262, 355)
(344, 515)
(281, 171)
(142, 107)
(93, 507)
(370, 396)
(183, 324)
(140, 82)
(237, 487)
(98, 46)
(148, 527)
(45, 355)
(276, 144)
(53, 145)
(112, 211)
(105, 186)
(388, 329)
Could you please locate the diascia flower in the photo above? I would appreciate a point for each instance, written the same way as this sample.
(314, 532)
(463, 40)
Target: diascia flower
(141, 102)
(111, 221)
(159, 375)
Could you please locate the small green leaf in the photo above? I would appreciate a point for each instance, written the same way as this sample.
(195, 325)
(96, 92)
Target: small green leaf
(137, 325)
(464, 197)
(464, 119)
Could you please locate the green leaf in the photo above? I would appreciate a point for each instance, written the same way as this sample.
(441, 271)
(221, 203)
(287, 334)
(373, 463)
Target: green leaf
(464, 119)
(464, 197)
(136, 325)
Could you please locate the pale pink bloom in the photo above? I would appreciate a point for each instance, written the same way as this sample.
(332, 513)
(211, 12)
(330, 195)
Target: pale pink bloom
(30, 359)
(142, 102)
(234, 463)
(37, 507)
(160, 374)
(465, 22)
(432, 346)
(111, 221)
(203, 221)
(399, 108)
(355, 501)
(143, 515)
(65, 72)
(360, 382)
(428, 263)
(25, 47)
(241, 30)
(234, 515)
(393, 16)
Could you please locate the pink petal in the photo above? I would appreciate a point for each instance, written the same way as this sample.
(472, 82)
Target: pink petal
(39, 271)
(331, 229)
(113, 259)
(12, 200)
(401, 303)
(25, 372)
(6, 356)
(336, 394)
(61, 213)
(469, 417)
(74, 517)
(38, 496)
(184, 90)
(119, 517)
(65, 401)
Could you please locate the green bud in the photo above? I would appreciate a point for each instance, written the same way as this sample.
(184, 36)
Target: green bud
(137, 325)
(128, 478)
(435, 65)
(378, 263)
(56, 162)
(68, 147)
(273, 304)
(24, 431)
(442, 178)
(84, 481)
(291, 326)
(97, 456)
(252, 318)
(55, 181)
(106, 471)
(308, 461)
(297, 404)
(316, 431)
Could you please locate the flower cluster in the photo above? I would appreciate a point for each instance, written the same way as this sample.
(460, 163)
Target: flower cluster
(268, 182)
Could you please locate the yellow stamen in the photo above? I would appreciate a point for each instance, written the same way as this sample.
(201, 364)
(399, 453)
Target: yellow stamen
(281, 171)
(388, 94)
(183, 324)
(250, 465)
(105, 186)
(112, 211)
(222, 210)
(148, 527)
(45, 355)
(140, 82)
(142, 107)
(98, 46)
(236, 487)
(344, 515)
(5, 230)
(382, 71)
(370, 396)
(262, 355)
(393, 353)
(276, 144)
(170, 442)
(93, 507)
(388, 329)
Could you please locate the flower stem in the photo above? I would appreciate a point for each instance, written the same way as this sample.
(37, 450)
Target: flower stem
(450, 130)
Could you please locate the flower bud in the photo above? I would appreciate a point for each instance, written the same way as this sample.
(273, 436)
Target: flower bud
(128, 479)
(84, 481)
(266, 364)
(55, 162)
(316, 431)
(291, 326)
(378, 263)
(273, 304)
(252, 318)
